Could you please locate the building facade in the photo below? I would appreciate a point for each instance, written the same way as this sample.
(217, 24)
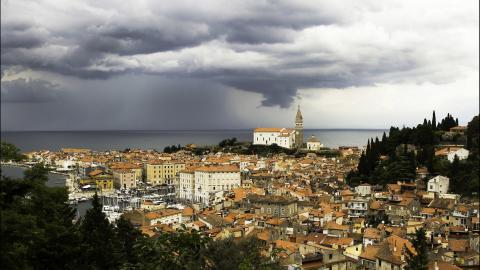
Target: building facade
(282, 137)
(438, 184)
(186, 184)
(124, 178)
(211, 179)
(313, 144)
(162, 172)
(203, 184)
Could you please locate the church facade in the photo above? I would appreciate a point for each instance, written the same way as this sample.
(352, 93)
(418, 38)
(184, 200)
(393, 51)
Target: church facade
(284, 137)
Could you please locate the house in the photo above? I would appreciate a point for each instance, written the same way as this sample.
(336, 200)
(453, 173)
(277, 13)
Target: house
(124, 178)
(367, 258)
(278, 206)
(364, 189)
(438, 184)
(358, 207)
(371, 236)
(98, 179)
(400, 208)
(313, 144)
(164, 216)
(334, 229)
(392, 252)
(461, 154)
(450, 152)
(459, 130)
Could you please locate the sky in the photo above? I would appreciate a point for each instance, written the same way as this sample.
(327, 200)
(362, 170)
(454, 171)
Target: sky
(159, 65)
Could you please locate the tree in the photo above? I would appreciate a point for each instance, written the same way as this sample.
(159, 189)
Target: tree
(473, 135)
(434, 120)
(9, 152)
(97, 239)
(126, 238)
(37, 172)
(419, 260)
(36, 229)
(242, 254)
(180, 250)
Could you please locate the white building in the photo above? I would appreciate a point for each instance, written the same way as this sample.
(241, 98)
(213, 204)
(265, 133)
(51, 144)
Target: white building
(186, 184)
(203, 184)
(313, 144)
(438, 184)
(284, 137)
(461, 153)
(358, 207)
(211, 179)
(364, 189)
(64, 165)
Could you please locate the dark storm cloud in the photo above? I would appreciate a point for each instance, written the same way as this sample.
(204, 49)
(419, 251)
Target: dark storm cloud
(79, 49)
(29, 91)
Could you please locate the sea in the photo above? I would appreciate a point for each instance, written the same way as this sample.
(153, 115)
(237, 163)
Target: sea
(120, 140)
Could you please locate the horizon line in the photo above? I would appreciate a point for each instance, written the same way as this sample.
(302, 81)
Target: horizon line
(231, 129)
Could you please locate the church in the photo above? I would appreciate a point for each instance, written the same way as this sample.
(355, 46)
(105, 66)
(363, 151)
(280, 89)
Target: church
(284, 137)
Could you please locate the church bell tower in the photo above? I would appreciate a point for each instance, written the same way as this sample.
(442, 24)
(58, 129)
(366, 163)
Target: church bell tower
(299, 128)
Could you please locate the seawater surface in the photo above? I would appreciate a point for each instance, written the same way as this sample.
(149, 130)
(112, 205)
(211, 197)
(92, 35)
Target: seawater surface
(120, 140)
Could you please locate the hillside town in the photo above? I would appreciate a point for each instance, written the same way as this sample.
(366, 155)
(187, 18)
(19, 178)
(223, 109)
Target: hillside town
(299, 206)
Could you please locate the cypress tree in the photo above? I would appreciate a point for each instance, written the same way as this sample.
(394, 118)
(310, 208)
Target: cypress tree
(384, 143)
(97, 239)
(418, 261)
(434, 120)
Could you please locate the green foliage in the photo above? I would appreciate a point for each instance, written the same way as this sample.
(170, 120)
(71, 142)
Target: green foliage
(267, 150)
(192, 250)
(37, 172)
(447, 123)
(418, 261)
(9, 152)
(464, 177)
(473, 136)
(36, 225)
(228, 142)
(172, 149)
(97, 239)
(181, 250)
(239, 254)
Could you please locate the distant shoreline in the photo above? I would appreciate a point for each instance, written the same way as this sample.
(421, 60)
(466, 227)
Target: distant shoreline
(190, 130)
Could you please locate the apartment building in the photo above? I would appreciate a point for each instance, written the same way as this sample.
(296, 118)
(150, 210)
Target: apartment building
(162, 171)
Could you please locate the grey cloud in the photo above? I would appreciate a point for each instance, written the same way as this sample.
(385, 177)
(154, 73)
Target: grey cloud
(95, 47)
(29, 91)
